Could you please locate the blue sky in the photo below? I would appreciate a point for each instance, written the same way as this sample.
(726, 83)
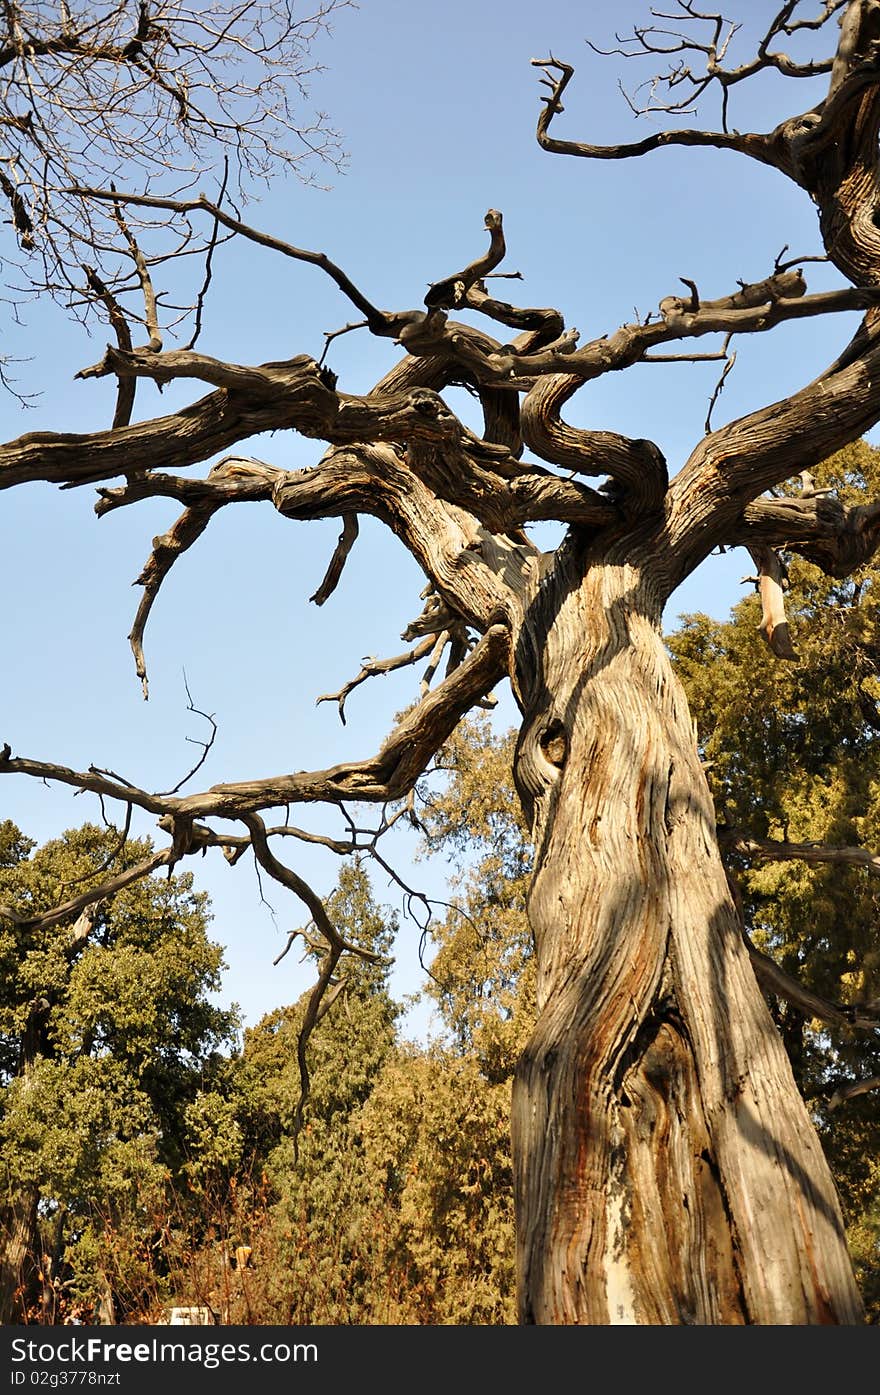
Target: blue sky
(437, 107)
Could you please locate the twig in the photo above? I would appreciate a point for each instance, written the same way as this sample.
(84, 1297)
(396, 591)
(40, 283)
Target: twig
(209, 263)
(167, 547)
(719, 388)
(330, 335)
(205, 745)
(372, 667)
(151, 318)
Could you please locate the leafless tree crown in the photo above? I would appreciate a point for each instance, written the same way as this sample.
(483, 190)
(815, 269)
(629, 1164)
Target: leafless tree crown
(157, 94)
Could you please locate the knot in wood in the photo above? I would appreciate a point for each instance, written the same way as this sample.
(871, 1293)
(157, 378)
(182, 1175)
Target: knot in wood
(428, 403)
(554, 743)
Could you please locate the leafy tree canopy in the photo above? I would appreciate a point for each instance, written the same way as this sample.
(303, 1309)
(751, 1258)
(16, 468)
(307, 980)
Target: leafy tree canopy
(109, 1035)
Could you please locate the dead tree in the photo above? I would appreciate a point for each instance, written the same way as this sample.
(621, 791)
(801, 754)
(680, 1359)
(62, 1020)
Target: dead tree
(667, 1170)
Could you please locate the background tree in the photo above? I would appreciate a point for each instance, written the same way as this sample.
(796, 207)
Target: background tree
(436, 1136)
(108, 1038)
(483, 969)
(322, 1235)
(393, 1204)
(655, 1111)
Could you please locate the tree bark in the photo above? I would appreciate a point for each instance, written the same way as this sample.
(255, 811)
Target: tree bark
(666, 1168)
(19, 1256)
(16, 1251)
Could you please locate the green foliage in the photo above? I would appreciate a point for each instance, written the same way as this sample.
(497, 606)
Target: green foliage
(320, 1242)
(483, 970)
(396, 1204)
(108, 1041)
(167, 1172)
(214, 1140)
(436, 1142)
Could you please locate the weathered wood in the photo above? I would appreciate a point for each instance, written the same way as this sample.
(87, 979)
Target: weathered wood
(666, 1168)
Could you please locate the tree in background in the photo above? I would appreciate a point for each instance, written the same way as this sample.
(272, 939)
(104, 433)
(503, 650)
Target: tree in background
(655, 1112)
(322, 1235)
(483, 971)
(392, 1203)
(436, 1140)
(109, 1043)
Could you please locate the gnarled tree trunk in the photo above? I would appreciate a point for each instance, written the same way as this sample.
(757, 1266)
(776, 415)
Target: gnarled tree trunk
(666, 1167)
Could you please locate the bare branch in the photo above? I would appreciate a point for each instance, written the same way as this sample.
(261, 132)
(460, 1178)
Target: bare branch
(151, 318)
(710, 49)
(733, 466)
(125, 392)
(718, 355)
(734, 314)
(849, 1090)
(371, 667)
(293, 882)
(300, 399)
(776, 980)
(779, 850)
(232, 845)
(102, 892)
(402, 759)
(772, 580)
(759, 147)
(379, 321)
(719, 386)
(440, 643)
(347, 540)
(234, 479)
(152, 93)
(814, 525)
(337, 945)
(386, 777)
(21, 220)
(166, 549)
(335, 333)
(205, 745)
(453, 290)
(209, 266)
(636, 465)
(544, 324)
